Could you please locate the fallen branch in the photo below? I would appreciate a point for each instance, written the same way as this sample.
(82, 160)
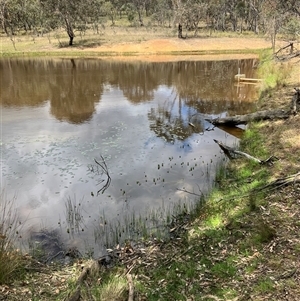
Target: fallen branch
(91, 269)
(131, 287)
(101, 168)
(288, 57)
(261, 115)
(291, 44)
(257, 116)
(232, 153)
(292, 179)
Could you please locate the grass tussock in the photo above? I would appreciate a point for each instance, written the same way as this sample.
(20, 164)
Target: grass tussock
(10, 257)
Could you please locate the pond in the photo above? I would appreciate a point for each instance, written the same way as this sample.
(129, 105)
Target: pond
(146, 121)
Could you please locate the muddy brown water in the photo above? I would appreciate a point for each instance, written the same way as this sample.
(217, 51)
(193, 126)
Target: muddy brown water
(58, 115)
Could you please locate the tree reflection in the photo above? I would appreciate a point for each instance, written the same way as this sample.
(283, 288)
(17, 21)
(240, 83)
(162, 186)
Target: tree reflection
(22, 84)
(74, 91)
(138, 81)
(69, 85)
(175, 121)
(73, 87)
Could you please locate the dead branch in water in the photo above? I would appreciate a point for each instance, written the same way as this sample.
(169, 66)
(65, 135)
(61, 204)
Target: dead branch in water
(101, 168)
(106, 172)
(261, 115)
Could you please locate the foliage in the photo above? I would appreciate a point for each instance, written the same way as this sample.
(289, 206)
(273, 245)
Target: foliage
(39, 16)
(292, 28)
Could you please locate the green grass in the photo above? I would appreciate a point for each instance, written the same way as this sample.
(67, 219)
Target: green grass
(225, 236)
(264, 285)
(272, 73)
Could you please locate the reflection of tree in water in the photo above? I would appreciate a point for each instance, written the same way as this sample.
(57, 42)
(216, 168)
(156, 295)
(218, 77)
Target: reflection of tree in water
(138, 81)
(210, 87)
(22, 84)
(174, 121)
(69, 84)
(74, 91)
(74, 86)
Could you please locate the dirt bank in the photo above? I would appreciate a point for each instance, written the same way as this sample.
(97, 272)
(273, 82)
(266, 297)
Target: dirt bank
(172, 49)
(143, 47)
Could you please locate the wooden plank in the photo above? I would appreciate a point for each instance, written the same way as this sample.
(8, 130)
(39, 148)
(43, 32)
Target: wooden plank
(250, 79)
(238, 76)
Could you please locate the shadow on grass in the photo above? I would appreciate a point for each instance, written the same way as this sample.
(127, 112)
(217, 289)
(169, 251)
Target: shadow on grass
(81, 43)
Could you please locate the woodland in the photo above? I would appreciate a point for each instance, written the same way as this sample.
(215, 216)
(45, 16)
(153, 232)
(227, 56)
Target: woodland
(271, 17)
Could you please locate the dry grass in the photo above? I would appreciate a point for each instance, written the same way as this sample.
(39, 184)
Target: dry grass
(130, 41)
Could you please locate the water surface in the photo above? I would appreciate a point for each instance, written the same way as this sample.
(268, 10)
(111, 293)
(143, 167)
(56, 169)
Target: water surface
(59, 115)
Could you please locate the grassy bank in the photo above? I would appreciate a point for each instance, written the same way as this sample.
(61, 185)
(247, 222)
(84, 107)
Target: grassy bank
(244, 245)
(241, 244)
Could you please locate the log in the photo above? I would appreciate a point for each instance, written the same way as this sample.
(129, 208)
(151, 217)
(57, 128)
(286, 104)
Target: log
(131, 287)
(92, 269)
(257, 116)
(232, 153)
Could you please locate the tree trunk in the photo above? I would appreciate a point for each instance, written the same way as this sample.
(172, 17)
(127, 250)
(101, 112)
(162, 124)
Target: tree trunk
(261, 115)
(257, 116)
(70, 31)
(179, 31)
(71, 40)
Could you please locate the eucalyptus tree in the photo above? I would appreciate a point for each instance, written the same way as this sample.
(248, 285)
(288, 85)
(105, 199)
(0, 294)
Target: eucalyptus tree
(162, 12)
(234, 10)
(109, 10)
(291, 6)
(194, 12)
(216, 13)
(140, 6)
(68, 13)
(19, 14)
(7, 16)
(274, 19)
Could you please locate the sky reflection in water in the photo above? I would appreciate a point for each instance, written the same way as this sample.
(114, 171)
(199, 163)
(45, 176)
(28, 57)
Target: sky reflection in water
(57, 116)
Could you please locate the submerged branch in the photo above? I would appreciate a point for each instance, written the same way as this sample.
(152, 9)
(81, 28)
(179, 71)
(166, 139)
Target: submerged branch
(104, 170)
(189, 192)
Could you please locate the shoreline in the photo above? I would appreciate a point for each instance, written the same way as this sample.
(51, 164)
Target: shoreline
(159, 49)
